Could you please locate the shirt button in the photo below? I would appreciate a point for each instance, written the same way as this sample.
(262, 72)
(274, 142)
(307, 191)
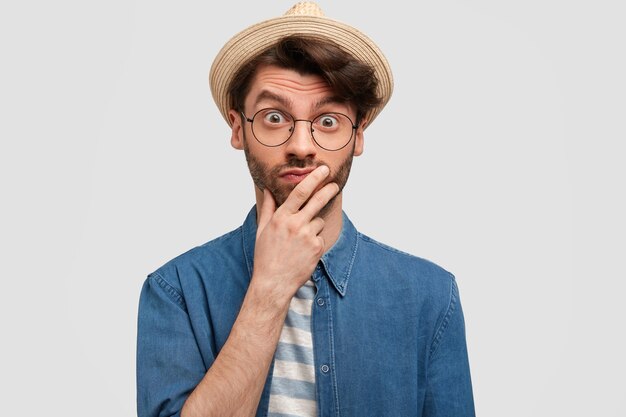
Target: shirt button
(320, 302)
(325, 369)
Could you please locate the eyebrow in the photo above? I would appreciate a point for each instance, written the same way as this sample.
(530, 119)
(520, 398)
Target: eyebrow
(327, 100)
(268, 95)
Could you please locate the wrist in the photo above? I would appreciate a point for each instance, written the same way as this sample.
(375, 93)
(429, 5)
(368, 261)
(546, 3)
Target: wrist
(265, 301)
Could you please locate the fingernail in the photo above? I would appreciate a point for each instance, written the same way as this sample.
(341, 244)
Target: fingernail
(325, 170)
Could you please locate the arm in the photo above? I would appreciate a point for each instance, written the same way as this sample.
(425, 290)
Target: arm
(449, 389)
(169, 363)
(234, 383)
(288, 247)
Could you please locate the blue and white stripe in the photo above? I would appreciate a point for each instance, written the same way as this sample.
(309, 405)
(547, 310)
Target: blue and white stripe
(292, 393)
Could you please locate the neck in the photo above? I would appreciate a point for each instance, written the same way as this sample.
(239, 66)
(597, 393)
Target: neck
(333, 219)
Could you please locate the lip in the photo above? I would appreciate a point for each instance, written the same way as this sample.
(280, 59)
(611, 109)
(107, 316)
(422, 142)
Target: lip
(295, 175)
(297, 171)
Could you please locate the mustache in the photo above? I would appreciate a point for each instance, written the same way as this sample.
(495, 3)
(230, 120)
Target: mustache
(298, 163)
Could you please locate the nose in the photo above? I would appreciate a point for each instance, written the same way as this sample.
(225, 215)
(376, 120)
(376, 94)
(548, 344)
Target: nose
(301, 144)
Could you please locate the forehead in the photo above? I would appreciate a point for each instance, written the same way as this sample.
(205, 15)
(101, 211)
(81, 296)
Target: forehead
(290, 88)
(270, 76)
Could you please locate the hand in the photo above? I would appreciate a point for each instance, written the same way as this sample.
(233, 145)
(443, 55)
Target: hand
(288, 241)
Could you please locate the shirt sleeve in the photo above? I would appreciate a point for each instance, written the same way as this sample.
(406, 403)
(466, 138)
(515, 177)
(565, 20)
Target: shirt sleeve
(449, 386)
(169, 363)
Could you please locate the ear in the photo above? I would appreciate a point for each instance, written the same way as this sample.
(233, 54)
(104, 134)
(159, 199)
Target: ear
(236, 138)
(358, 145)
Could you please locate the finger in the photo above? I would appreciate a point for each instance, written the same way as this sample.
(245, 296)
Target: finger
(267, 210)
(323, 244)
(317, 225)
(319, 200)
(301, 193)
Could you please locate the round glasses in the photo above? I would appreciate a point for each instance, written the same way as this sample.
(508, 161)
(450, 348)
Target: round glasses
(273, 127)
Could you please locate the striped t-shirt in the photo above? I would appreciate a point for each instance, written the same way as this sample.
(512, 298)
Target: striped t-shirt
(292, 391)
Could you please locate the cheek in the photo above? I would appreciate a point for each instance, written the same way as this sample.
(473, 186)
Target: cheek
(342, 170)
(259, 152)
(341, 160)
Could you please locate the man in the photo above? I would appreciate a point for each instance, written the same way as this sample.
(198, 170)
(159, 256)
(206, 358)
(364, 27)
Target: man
(295, 313)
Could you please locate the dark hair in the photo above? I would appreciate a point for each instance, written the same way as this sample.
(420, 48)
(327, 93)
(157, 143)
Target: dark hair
(350, 79)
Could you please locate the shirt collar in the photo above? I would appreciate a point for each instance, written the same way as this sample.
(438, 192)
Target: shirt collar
(337, 261)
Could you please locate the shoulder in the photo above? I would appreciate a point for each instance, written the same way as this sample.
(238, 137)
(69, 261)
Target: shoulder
(432, 288)
(390, 257)
(201, 260)
(404, 275)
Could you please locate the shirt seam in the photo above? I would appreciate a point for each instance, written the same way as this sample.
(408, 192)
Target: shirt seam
(332, 354)
(245, 246)
(170, 291)
(452, 305)
(391, 249)
(384, 246)
(342, 287)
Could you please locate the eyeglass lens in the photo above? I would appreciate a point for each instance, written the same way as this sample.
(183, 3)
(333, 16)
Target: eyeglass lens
(273, 127)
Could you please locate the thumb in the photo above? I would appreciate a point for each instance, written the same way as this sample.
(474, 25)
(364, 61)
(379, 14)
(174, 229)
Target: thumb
(267, 210)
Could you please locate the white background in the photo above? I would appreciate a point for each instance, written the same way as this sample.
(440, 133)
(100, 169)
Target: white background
(500, 157)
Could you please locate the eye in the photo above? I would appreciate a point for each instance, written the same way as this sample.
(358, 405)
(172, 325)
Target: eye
(327, 121)
(274, 117)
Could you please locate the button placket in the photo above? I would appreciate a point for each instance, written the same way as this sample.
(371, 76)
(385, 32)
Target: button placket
(317, 273)
(322, 345)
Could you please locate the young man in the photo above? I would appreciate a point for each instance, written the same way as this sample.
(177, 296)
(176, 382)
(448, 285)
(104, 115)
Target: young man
(296, 313)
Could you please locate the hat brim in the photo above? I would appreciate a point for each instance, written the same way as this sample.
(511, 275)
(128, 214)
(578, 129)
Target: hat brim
(254, 40)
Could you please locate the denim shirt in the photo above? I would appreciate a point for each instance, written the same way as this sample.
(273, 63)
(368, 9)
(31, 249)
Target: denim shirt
(388, 330)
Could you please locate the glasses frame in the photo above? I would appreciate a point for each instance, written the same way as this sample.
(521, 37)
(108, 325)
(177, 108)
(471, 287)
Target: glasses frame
(293, 127)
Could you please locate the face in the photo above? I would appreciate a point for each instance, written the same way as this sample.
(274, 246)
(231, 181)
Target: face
(281, 168)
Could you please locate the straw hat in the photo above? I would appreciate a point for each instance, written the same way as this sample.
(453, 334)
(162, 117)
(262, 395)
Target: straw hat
(304, 18)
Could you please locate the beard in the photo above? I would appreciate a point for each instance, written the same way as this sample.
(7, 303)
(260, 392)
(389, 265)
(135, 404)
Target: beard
(265, 176)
